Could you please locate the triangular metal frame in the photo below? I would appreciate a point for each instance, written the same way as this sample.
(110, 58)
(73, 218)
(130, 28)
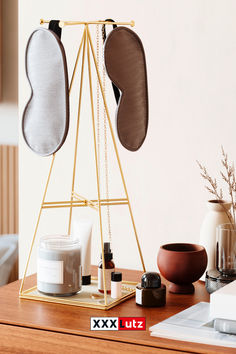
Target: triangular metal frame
(77, 200)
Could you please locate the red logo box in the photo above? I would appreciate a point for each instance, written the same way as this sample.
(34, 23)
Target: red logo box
(132, 324)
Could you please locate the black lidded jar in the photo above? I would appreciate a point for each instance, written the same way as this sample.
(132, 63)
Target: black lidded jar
(151, 293)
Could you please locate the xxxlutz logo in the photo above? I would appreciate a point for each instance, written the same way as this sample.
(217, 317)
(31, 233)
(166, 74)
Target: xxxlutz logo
(118, 324)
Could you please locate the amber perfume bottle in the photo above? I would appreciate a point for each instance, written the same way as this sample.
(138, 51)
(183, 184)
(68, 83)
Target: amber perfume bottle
(109, 268)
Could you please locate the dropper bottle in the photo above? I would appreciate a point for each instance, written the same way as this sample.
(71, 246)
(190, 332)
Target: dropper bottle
(109, 268)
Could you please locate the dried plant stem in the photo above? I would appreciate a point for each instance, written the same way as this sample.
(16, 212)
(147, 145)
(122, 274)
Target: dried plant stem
(229, 215)
(229, 178)
(213, 189)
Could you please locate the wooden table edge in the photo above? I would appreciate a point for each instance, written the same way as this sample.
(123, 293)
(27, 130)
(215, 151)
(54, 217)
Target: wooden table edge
(77, 334)
(161, 342)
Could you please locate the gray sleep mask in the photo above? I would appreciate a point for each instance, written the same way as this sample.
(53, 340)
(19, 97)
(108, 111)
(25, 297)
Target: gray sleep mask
(46, 116)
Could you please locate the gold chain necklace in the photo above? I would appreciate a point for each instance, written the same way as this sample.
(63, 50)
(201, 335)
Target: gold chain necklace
(105, 132)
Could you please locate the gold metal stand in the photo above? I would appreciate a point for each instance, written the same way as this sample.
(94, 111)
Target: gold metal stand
(76, 200)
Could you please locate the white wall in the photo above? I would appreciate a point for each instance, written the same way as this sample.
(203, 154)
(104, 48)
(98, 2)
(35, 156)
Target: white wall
(191, 55)
(9, 82)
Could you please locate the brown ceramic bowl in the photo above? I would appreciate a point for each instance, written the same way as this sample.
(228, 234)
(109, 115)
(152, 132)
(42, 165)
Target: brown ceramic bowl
(182, 264)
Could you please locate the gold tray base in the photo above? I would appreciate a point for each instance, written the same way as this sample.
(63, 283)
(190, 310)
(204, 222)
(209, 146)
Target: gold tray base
(87, 297)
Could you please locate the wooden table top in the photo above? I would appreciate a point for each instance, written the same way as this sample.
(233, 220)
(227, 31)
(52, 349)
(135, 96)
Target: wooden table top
(76, 320)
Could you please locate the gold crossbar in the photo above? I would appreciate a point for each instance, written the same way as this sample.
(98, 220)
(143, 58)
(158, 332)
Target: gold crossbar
(83, 203)
(92, 200)
(73, 23)
(86, 201)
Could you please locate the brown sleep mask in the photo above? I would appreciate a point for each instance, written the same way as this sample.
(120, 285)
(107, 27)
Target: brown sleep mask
(126, 67)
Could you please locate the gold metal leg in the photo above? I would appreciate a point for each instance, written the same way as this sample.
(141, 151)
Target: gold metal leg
(97, 172)
(77, 129)
(37, 224)
(76, 62)
(115, 147)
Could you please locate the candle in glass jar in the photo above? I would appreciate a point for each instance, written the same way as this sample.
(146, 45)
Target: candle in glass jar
(59, 266)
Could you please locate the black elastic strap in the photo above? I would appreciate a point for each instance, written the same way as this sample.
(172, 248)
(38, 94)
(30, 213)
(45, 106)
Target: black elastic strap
(54, 26)
(104, 36)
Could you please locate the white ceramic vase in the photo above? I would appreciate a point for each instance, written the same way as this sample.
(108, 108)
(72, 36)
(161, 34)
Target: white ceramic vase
(216, 215)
